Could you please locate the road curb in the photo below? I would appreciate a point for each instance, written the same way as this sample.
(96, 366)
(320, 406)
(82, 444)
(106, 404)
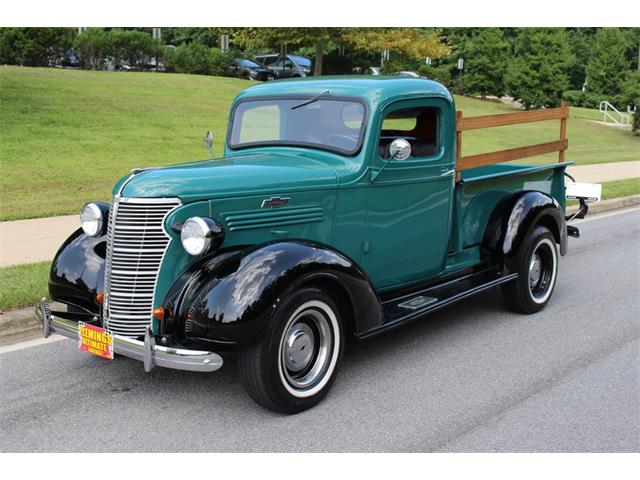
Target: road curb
(19, 325)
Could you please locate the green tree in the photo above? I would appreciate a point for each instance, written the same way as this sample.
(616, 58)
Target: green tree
(440, 74)
(633, 47)
(188, 58)
(293, 37)
(607, 65)
(630, 97)
(485, 62)
(94, 46)
(10, 41)
(133, 47)
(580, 41)
(409, 42)
(537, 75)
(414, 44)
(35, 47)
(196, 58)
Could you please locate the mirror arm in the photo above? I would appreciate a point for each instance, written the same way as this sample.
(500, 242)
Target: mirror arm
(376, 173)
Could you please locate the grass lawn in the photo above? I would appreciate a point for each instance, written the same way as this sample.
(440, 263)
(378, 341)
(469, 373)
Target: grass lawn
(66, 136)
(23, 285)
(620, 188)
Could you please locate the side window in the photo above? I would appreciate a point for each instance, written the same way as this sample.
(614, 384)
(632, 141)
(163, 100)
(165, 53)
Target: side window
(417, 125)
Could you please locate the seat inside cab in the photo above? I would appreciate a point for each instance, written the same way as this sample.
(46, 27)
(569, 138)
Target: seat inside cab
(416, 125)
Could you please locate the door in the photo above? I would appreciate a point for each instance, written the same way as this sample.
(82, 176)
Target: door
(410, 201)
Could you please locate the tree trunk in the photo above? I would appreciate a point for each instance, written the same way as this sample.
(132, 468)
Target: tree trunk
(319, 56)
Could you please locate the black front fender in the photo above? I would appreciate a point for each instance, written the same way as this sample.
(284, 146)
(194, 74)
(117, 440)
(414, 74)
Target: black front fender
(230, 297)
(77, 271)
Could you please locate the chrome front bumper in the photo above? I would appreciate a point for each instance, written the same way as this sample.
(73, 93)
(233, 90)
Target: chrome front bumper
(147, 351)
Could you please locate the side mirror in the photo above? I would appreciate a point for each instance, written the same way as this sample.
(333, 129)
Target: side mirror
(400, 149)
(208, 141)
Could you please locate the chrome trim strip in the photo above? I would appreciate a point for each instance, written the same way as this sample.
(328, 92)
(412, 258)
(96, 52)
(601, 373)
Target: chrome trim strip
(108, 257)
(147, 351)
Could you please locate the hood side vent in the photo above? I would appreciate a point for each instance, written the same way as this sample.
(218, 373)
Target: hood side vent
(251, 219)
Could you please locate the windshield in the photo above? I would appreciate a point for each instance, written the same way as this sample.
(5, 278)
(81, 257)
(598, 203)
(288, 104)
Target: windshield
(249, 64)
(302, 61)
(316, 121)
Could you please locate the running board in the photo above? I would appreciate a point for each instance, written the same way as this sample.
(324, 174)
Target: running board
(409, 307)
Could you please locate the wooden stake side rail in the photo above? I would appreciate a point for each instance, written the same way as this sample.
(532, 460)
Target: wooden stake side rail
(501, 120)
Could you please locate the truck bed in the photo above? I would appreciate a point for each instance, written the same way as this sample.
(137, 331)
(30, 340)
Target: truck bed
(481, 189)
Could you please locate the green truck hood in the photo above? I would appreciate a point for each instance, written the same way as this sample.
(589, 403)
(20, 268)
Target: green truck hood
(261, 173)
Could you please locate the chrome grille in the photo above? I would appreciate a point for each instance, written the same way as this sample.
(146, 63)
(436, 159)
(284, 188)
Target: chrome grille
(136, 244)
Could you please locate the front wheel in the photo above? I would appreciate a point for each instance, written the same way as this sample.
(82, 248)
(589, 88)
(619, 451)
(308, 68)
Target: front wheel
(293, 367)
(537, 267)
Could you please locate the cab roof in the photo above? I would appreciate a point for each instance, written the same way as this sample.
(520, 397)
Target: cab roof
(376, 90)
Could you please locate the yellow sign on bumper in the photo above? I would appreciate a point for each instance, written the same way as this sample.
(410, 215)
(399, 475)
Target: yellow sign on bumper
(95, 340)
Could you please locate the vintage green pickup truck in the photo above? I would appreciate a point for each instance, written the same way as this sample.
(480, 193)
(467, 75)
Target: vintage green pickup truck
(342, 208)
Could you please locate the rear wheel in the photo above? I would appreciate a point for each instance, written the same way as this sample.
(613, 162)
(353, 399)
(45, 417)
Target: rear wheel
(293, 367)
(537, 267)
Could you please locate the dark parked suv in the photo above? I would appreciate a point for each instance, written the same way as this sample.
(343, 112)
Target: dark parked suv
(288, 66)
(251, 70)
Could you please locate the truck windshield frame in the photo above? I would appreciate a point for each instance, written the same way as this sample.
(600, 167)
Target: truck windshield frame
(295, 118)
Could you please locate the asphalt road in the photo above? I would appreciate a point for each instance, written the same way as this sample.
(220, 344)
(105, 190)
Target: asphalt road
(473, 377)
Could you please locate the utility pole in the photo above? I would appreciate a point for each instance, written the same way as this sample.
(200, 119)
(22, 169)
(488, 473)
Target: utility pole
(283, 56)
(224, 43)
(383, 57)
(156, 33)
(461, 70)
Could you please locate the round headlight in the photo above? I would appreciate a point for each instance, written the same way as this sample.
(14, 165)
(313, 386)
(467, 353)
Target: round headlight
(92, 219)
(200, 234)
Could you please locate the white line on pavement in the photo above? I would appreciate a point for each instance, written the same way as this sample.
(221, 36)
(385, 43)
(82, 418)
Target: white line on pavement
(36, 342)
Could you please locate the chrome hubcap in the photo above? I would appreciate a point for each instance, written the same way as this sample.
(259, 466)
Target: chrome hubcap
(542, 270)
(306, 349)
(299, 347)
(535, 270)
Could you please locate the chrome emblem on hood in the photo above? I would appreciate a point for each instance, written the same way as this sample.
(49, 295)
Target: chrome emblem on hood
(275, 202)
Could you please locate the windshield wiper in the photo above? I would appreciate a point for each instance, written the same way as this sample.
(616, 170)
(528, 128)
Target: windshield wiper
(311, 100)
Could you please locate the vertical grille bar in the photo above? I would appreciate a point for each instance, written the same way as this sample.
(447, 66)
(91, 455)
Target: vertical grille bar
(136, 244)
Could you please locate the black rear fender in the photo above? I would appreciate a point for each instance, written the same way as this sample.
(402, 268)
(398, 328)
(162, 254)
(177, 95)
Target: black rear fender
(514, 219)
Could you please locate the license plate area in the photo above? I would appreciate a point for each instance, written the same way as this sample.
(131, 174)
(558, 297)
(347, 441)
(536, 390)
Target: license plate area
(95, 340)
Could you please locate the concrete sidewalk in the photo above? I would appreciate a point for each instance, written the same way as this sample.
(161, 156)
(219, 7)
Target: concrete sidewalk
(37, 240)
(605, 172)
(34, 240)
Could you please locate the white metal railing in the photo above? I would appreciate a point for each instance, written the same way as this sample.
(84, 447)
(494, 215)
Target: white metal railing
(608, 111)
